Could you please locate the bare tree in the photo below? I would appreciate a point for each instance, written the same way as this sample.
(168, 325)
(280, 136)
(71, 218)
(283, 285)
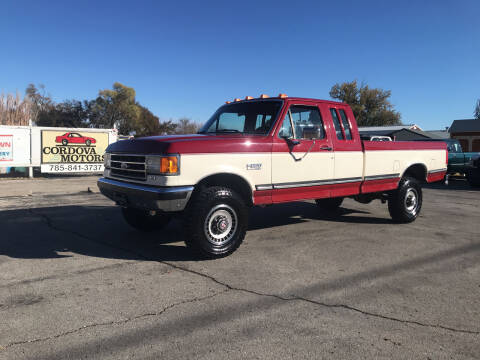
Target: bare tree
(186, 126)
(14, 110)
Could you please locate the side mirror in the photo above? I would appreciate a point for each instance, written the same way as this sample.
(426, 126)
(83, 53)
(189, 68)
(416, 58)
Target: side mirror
(290, 141)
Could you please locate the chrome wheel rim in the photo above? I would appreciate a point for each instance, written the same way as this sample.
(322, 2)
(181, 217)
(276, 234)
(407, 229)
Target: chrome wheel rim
(220, 224)
(411, 201)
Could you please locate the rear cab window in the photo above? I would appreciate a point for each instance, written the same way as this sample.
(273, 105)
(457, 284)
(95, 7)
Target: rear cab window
(342, 126)
(346, 124)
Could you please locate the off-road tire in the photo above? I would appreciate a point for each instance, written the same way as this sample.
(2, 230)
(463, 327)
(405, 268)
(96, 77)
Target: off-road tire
(405, 203)
(143, 221)
(64, 142)
(329, 205)
(215, 211)
(88, 142)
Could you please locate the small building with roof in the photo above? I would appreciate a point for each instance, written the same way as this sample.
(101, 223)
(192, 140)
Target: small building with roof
(403, 132)
(467, 132)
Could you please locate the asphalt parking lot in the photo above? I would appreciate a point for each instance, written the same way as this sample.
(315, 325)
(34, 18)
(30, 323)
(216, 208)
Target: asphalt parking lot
(77, 282)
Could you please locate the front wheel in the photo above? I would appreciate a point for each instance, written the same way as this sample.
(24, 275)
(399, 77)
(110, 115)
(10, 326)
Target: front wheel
(88, 142)
(142, 219)
(405, 203)
(216, 221)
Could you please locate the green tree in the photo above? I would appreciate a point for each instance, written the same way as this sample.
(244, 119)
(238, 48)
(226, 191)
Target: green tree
(371, 107)
(116, 107)
(476, 113)
(70, 113)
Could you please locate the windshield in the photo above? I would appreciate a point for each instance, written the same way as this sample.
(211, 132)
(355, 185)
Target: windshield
(253, 117)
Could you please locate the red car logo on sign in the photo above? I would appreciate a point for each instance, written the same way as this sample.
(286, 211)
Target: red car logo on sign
(74, 138)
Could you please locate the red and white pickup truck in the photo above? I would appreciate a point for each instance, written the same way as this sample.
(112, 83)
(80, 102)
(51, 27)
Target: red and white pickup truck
(261, 151)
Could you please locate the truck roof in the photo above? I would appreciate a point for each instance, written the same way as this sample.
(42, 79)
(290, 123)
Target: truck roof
(289, 98)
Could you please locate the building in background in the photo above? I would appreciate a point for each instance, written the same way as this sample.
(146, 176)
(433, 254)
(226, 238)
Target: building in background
(467, 132)
(403, 132)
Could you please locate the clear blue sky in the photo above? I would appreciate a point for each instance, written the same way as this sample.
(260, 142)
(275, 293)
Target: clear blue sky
(187, 58)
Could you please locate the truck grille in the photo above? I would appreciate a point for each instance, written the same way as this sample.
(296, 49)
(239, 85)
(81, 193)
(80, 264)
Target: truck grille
(128, 166)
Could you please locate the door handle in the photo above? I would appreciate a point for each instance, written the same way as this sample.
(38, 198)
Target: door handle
(325, 147)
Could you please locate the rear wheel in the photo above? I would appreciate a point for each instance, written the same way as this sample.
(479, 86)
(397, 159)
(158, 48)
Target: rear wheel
(64, 142)
(330, 205)
(142, 219)
(216, 221)
(405, 203)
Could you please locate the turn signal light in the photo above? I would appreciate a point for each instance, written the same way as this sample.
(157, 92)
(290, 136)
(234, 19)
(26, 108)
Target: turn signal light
(248, 97)
(162, 165)
(264, 96)
(169, 165)
(227, 102)
(282, 96)
(237, 99)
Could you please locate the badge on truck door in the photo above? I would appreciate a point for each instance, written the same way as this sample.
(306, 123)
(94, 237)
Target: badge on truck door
(254, 166)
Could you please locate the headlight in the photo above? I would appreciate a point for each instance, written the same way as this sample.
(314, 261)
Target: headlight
(163, 165)
(107, 158)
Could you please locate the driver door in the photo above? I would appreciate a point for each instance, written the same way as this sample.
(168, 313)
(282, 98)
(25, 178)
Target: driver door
(302, 156)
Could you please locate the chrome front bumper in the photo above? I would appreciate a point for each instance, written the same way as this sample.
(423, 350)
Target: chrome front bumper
(173, 198)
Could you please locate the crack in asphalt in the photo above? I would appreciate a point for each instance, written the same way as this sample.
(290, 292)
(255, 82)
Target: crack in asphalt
(74, 273)
(227, 287)
(113, 322)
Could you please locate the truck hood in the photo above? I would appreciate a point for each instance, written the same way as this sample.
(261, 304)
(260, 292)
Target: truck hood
(193, 143)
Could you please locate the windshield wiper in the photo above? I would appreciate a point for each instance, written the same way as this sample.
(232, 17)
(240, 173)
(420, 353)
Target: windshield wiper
(225, 131)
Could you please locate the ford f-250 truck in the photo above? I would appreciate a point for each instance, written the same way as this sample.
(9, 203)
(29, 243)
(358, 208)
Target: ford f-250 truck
(261, 151)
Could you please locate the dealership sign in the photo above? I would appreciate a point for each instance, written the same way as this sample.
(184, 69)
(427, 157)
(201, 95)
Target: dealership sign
(6, 147)
(75, 151)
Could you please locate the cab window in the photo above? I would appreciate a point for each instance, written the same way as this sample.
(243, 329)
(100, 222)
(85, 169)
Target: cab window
(264, 122)
(303, 122)
(231, 121)
(454, 147)
(336, 124)
(346, 124)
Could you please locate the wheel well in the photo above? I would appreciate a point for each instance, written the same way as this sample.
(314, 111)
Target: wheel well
(234, 182)
(416, 171)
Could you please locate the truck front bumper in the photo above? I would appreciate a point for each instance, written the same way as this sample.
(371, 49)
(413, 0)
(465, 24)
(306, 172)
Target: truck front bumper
(139, 196)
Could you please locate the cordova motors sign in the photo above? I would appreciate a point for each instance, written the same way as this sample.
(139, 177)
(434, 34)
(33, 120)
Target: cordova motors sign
(73, 151)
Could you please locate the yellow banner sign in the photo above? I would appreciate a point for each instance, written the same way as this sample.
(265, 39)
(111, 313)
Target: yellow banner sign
(73, 147)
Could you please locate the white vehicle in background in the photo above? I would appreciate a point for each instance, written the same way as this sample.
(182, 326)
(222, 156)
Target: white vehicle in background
(376, 138)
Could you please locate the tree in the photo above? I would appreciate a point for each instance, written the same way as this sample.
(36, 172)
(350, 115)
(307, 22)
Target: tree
(116, 107)
(186, 126)
(70, 113)
(168, 127)
(370, 106)
(476, 113)
(14, 110)
(41, 102)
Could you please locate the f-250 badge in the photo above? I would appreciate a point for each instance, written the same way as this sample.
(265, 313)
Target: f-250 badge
(254, 166)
